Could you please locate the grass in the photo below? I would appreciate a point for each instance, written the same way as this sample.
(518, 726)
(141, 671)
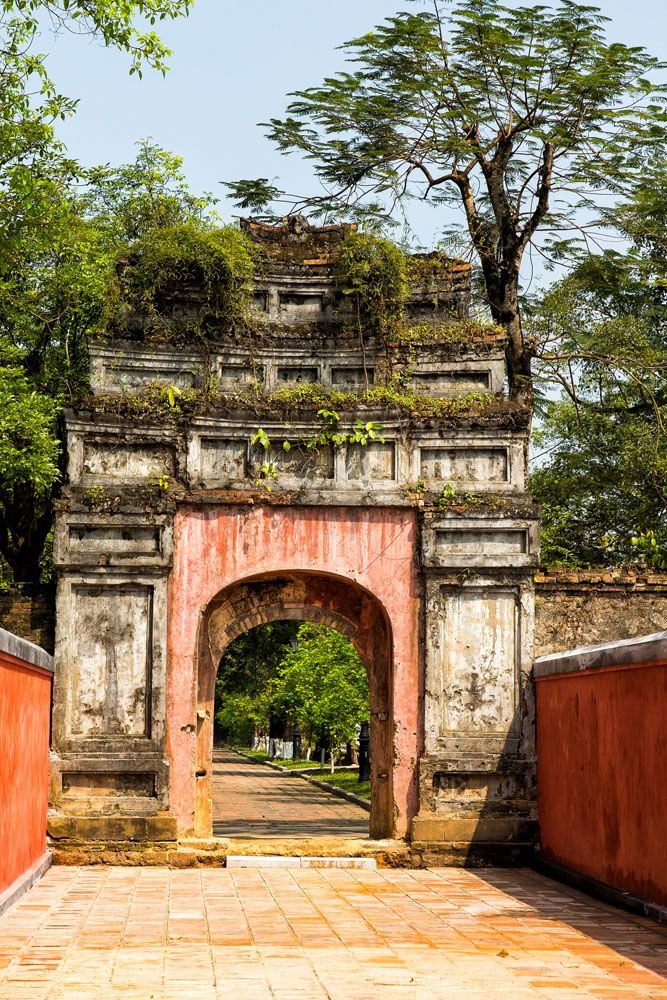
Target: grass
(297, 765)
(348, 780)
(291, 765)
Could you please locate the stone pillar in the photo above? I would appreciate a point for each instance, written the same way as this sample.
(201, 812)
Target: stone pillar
(109, 775)
(476, 775)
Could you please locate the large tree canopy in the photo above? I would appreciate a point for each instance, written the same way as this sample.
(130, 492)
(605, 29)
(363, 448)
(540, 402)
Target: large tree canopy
(323, 685)
(601, 479)
(521, 117)
(54, 261)
(54, 292)
(30, 104)
(123, 24)
(293, 673)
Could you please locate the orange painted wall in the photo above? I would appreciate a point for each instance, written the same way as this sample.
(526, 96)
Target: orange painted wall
(218, 546)
(25, 707)
(602, 775)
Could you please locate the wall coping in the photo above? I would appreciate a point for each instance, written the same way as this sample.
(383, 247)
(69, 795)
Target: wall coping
(626, 652)
(611, 579)
(21, 649)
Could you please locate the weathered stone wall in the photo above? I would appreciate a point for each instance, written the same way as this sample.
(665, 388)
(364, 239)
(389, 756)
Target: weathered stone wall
(29, 610)
(167, 511)
(581, 607)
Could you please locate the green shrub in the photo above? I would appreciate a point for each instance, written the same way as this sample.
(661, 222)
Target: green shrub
(374, 272)
(218, 264)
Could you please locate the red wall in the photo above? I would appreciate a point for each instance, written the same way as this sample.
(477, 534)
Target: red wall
(25, 706)
(602, 775)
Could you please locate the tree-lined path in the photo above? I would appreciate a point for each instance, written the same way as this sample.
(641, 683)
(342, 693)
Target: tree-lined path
(322, 934)
(251, 801)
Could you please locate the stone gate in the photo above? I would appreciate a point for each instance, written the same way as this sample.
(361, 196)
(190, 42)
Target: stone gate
(420, 547)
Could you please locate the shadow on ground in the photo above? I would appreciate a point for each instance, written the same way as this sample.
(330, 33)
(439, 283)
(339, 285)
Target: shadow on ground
(607, 925)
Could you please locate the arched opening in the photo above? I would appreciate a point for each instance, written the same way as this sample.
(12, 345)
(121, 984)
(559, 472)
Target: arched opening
(294, 694)
(307, 597)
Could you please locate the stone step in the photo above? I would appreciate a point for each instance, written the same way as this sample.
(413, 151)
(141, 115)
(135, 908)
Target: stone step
(324, 846)
(289, 861)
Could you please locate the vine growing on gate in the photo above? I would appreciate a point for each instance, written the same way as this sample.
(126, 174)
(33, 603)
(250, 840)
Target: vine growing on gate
(361, 433)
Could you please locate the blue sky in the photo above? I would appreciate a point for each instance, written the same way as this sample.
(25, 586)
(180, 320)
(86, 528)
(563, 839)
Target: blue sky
(232, 66)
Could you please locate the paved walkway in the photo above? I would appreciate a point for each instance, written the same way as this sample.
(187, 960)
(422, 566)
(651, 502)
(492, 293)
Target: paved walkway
(253, 801)
(307, 934)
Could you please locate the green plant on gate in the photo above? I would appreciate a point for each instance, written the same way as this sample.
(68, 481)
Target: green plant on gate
(362, 433)
(650, 549)
(373, 272)
(268, 470)
(329, 432)
(220, 262)
(169, 394)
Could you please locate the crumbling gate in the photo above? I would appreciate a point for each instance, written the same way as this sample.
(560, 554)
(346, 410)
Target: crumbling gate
(176, 533)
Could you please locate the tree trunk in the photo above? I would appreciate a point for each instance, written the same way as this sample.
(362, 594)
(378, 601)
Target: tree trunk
(24, 527)
(518, 357)
(506, 314)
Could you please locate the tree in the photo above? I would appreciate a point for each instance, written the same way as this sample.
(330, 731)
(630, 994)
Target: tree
(151, 193)
(291, 672)
(323, 685)
(53, 263)
(52, 294)
(244, 687)
(30, 103)
(601, 480)
(28, 469)
(511, 114)
(117, 24)
(604, 484)
(55, 285)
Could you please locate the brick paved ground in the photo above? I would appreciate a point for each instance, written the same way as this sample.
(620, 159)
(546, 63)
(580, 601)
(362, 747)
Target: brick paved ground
(301, 934)
(254, 801)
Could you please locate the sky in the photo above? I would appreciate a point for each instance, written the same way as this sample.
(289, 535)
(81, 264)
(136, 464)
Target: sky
(232, 65)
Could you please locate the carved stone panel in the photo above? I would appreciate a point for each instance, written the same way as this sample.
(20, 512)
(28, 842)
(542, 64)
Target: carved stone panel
(374, 462)
(451, 382)
(129, 376)
(238, 375)
(300, 305)
(294, 374)
(98, 784)
(352, 378)
(299, 462)
(128, 367)
(469, 465)
(484, 541)
(481, 540)
(131, 541)
(127, 460)
(122, 540)
(472, 675)
(110, 661)
(223, 460)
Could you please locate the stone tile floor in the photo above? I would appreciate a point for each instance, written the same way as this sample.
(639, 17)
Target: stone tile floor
(302, 934)
(254, 801)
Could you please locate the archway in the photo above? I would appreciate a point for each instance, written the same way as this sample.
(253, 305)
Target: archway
(302, 596)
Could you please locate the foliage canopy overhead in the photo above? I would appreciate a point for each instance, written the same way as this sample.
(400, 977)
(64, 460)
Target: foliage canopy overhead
(522, 117)
(601, 478)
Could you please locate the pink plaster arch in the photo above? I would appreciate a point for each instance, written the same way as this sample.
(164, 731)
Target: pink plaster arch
(371, 552)
(316, 597)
